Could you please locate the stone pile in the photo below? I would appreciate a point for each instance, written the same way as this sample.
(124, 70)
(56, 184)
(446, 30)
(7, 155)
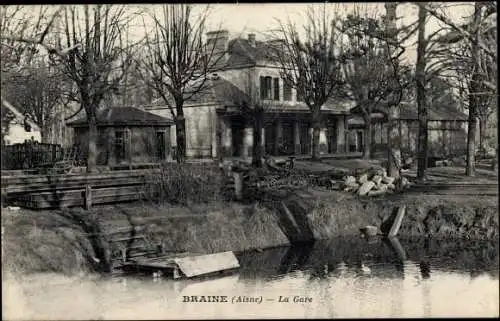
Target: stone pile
(374, 183)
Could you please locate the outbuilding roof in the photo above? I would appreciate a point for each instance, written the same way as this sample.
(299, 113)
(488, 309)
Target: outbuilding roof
(124, 116)
(437, 112)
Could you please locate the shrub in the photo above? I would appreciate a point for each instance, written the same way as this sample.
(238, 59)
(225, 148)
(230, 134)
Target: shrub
(185, 184)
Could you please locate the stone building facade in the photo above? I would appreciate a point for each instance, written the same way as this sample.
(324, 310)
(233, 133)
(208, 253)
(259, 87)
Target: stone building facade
(216, 125)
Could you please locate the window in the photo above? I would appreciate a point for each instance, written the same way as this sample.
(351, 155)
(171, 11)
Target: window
(26, 125)
(300, 95)
(276, 88)
(287, 90)
(120, 145)
(265, 87)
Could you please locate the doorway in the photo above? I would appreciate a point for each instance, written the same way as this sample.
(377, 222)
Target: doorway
(237, 128)
(331, 132)
(160, 145)
(305, 139)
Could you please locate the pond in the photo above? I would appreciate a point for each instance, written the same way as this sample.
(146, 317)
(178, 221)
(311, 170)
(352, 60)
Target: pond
(334, 278)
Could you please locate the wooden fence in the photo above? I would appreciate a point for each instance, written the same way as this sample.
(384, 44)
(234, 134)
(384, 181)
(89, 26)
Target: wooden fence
(67, 190)
(54, 191)
(30, 155)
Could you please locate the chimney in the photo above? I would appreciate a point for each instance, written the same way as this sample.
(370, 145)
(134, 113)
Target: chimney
(251, 39)
(390, 18)
(218, 41)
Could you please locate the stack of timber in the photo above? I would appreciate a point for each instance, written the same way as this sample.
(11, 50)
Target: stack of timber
(57, 191)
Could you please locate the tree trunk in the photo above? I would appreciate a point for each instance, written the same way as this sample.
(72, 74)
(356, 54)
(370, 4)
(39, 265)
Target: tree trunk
(316, 123)
(471, 138)
(422, 108)
(394, 163)
(258, 150)
(180, 131)
(474, 88)
(367, 137)
(92, 148)
(43, 136)
(482, 134)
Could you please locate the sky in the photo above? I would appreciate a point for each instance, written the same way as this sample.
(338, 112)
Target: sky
(243, 18)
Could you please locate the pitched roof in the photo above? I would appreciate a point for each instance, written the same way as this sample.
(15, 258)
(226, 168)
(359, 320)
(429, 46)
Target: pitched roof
(130, 116)
(241, 52)
(409, 111)
(19, 117)
(218, 90)
(435, 112)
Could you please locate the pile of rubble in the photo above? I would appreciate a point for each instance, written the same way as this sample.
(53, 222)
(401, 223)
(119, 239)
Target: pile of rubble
(375, 182)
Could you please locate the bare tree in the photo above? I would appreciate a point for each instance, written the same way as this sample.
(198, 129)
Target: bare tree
(312, 65)
(475, 62)
(421, 100)
(401, 81)
(486, 44)
(39, 92)
(372, 71)
(21, 30)
(177, 61)
(456, 49)
(91, 51)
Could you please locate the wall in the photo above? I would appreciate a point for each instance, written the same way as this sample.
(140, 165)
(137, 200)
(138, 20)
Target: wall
(203, 124)
(18, 135)
(142, 144)
(445, 138)
(200, 131)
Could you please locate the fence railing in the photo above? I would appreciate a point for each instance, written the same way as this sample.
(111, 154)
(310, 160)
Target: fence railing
(30, 155)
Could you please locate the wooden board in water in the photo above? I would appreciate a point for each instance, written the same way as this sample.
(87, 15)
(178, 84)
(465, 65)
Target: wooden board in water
(188, 263)
(208, 263)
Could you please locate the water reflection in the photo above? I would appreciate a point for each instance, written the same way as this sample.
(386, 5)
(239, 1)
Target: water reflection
(342, 278)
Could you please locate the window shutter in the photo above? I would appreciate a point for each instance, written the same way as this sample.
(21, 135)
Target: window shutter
(287, 90)
(276, 89)
(262, 87)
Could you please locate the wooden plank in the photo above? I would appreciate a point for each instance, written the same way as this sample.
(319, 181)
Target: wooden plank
(70, 180)
(20, 179)
(80, 193)
(71, 186)
(398, 248)
(397, 221)
(47, 204)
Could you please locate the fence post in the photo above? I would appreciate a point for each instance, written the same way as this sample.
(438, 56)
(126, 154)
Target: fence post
(238, 185)
(54, 154)
(88, 197)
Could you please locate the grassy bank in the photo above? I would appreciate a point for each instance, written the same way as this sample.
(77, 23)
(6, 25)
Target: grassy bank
(333, 214)
(70, 241)
(74, 240)
(188, 211)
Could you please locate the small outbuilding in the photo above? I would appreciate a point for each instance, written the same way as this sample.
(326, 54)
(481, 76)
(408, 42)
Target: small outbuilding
(126, 135)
